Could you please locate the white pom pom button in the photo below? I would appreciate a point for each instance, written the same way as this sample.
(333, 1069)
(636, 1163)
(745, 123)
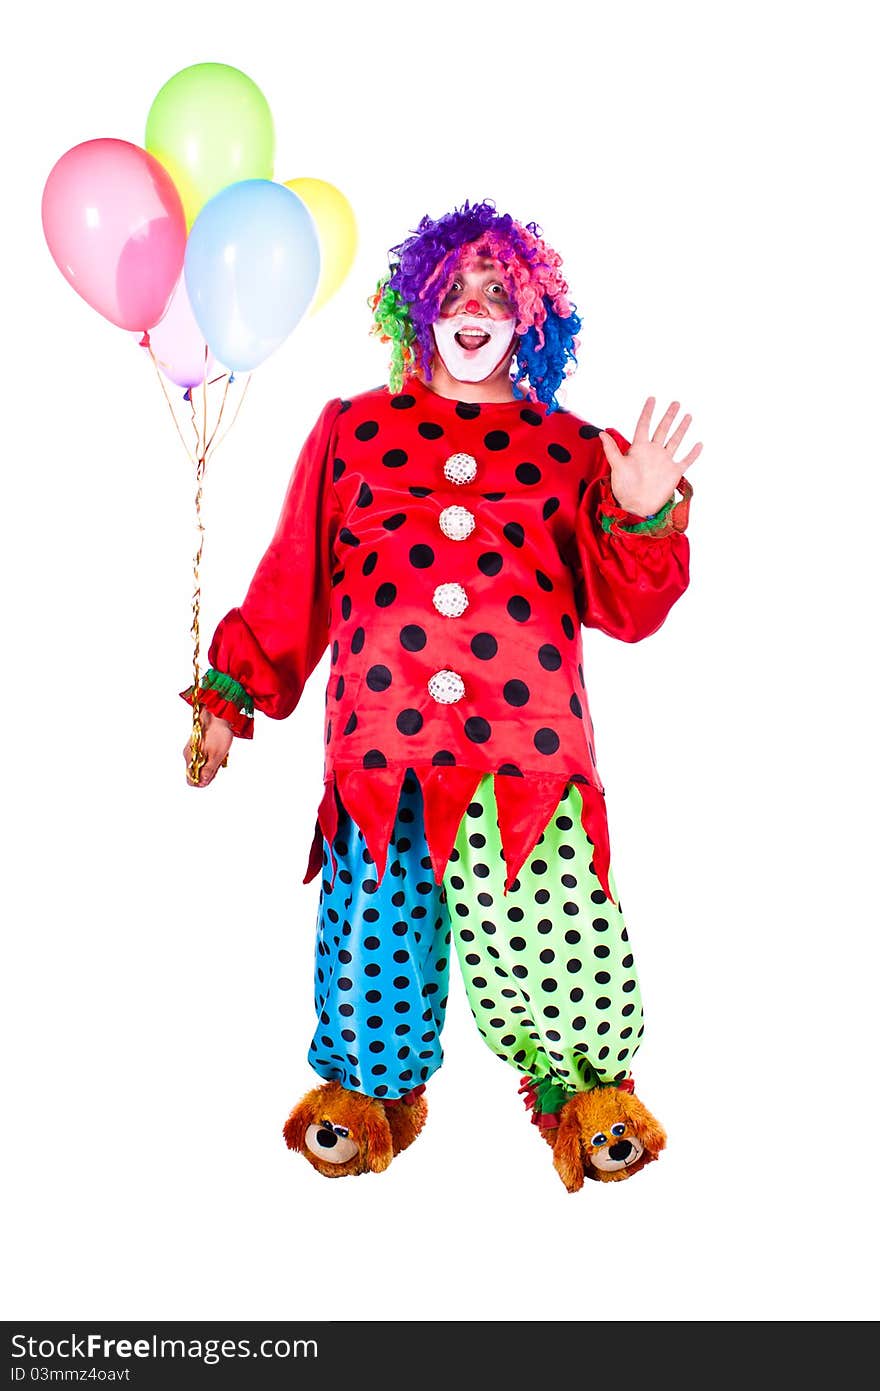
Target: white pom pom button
(450, 600)
(457, 522)
(460, 468)
(446, 687)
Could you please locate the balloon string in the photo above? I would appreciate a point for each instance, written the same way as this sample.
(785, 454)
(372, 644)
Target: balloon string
(220, 413)
(202, 445)
(189, 453)
(234, 418)
(197, 756)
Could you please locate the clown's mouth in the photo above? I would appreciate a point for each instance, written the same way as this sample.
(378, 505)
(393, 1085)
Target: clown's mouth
(471, 340)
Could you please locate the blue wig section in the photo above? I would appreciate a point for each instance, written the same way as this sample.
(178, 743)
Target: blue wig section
(545, 368)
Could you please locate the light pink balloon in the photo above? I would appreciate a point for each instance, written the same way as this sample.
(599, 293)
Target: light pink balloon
(115, 226)
(178, 343)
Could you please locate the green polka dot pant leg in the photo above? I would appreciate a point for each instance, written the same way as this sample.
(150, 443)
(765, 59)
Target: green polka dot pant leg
(548, 970)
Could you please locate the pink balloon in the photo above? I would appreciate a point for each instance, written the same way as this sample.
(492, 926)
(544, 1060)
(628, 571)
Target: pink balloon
(115, 226)
(178, 343)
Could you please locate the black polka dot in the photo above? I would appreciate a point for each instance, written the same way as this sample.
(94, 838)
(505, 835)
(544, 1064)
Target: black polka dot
(403, 402)
(528, 473)
(558, 452)
(494, 497)
(421, 556)
(511, 770)
(409, 722)
(550, 506)
(519, 608)
(544, 581)
(394, 458)
(375, 758)
(379, 678)
(338, 469)
(531, 417)
(367, 431)
(394, 521)
(549, 657)
(497, 439)
(546, 740)
(516, 692)
(467, 410)
(369, 564)
(347, 536)
(386, 594)
(514, 533)
(340, 687)
(490, 562)
(567, 625)
(365, 496)
(477, 729)
(588, 432)
(421, 492)
(574, 706)
(484, 646)
(351, 724)
(412, 637)
(443, 758)
(357, 639)
(429, 430)
(345, 606)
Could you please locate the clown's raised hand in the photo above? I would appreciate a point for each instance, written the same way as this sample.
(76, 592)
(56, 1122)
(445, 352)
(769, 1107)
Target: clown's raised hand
(644, 479)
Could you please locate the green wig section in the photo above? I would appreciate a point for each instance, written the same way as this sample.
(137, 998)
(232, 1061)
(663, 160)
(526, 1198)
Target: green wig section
(393, 324)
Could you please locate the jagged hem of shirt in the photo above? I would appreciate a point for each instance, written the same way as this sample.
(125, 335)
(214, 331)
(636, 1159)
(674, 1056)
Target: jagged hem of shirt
(371, 797)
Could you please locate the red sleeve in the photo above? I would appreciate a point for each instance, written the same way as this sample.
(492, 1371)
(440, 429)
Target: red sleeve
(274, 641)
(627, 581)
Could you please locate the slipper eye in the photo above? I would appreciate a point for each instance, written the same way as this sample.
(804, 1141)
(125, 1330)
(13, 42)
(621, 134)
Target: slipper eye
(599, 1140)
(332, 1143)
(618, 1129)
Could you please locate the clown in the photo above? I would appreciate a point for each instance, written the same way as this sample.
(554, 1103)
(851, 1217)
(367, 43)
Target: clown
(449, 536)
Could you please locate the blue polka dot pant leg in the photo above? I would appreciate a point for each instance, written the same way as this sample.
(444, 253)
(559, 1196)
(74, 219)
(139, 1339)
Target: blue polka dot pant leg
(381, 960)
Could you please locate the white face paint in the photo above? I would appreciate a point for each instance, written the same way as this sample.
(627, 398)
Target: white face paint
(493, 337)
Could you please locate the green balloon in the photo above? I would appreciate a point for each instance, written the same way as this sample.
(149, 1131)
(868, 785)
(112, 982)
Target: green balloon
(210, 126)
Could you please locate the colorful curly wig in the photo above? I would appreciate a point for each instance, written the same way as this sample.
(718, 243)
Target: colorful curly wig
(408, 299)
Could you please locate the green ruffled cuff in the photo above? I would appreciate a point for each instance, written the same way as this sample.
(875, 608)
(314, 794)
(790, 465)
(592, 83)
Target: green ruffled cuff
(673, 517)
(228, 688)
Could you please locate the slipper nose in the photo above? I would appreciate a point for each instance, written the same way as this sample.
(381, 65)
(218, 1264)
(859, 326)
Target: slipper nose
(326, 1139)
(622, 1150)
(472, 307)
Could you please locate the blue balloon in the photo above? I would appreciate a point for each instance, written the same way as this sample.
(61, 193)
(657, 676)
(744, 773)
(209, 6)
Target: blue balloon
(252, 264)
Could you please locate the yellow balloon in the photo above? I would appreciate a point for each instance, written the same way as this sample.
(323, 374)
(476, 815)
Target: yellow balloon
(335, 224)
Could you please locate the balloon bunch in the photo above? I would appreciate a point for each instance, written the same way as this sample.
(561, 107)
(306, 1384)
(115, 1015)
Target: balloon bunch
(191, 244)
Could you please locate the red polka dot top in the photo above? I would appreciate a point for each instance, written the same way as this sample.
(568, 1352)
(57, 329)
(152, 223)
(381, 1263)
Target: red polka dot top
(448, 554)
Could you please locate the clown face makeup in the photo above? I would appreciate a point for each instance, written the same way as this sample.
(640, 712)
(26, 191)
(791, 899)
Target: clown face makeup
(477, 321)
(472, 348)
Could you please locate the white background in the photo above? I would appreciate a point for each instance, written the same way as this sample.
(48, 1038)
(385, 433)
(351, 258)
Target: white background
(709, 175)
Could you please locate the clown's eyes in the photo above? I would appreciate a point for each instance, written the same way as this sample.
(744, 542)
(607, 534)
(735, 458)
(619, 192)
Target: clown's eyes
(599, 1139)
(618, 1129)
